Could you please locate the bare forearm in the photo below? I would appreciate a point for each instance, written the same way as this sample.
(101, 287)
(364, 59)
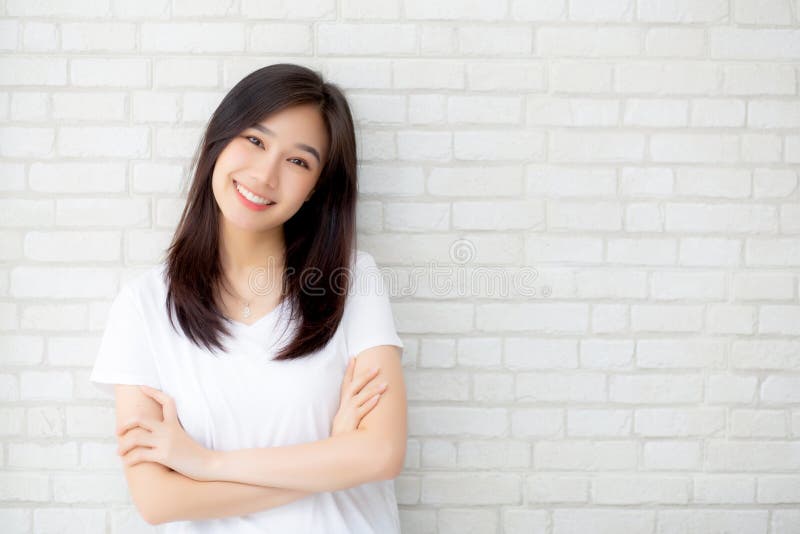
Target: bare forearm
(330, 464)
(182, 498)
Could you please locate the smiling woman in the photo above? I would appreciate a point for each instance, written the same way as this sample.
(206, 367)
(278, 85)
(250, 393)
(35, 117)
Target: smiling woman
(254, 420)
(254, 166)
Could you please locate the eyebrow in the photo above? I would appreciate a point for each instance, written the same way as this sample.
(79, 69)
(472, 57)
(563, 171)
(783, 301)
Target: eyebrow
(302, 146)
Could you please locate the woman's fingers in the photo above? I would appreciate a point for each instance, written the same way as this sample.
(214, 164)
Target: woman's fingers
(138, 455)
(358, 396)
(137, 421)
(134, 438)
(360, 381)
(367, 393)
(365, 408)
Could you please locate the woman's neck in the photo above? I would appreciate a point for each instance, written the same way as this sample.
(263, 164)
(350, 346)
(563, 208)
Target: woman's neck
(241, 251)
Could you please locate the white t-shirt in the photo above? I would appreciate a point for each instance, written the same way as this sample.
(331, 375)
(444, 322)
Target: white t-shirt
(243, 399)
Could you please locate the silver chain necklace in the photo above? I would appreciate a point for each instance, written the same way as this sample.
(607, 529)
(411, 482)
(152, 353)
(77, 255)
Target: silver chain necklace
(246, 310)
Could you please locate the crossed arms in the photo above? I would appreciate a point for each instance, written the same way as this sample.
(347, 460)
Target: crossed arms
(251, 480)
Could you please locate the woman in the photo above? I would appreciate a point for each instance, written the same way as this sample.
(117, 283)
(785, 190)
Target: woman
(251, 416)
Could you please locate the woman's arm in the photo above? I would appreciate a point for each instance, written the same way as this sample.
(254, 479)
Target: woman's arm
(190, 499)
(172, 496)
(163, 495)
(330, 464)
(375, 451)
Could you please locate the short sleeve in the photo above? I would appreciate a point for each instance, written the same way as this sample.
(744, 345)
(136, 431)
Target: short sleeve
(125, 356)
(368, 320)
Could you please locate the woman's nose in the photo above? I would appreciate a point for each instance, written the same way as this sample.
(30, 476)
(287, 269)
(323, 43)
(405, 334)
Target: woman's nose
(267, 171)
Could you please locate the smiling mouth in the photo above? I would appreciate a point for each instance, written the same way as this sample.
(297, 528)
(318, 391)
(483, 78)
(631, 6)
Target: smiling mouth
(252, 197)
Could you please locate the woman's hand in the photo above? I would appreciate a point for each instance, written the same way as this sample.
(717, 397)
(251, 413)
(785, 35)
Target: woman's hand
(356, 400)
(164, 442)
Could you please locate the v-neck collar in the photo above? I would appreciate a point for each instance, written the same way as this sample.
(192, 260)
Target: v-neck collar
(261, 320)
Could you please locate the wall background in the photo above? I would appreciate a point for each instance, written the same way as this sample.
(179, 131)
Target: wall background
(641, 155)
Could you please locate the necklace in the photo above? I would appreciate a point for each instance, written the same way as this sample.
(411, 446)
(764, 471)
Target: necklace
(246, 310)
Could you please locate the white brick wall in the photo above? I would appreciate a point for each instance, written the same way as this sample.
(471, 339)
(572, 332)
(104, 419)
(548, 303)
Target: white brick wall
(641, 155)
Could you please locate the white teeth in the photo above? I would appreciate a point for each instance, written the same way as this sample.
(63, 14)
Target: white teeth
(252, 197)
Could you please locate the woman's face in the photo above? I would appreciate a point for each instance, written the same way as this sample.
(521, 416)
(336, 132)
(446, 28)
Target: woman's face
(278, 160)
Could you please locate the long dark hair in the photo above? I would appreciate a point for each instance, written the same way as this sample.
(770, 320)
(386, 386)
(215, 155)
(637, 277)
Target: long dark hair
(319, 238)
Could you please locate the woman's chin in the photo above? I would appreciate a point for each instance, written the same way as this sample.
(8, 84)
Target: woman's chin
(246, 222)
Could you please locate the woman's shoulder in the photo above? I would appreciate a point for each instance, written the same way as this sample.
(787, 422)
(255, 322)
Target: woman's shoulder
(146, 285)
(364, 269)
(367, 275)
(362, 258)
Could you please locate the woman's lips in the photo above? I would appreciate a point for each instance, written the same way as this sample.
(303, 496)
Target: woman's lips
(249, 203)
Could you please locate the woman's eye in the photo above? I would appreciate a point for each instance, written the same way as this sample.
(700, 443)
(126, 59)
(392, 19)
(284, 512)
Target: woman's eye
(258, 143)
